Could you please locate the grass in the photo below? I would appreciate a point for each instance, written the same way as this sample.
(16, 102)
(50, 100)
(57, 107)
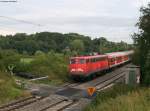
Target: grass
(52, 65)
(26, 60)
(122, 98)
(8, 89)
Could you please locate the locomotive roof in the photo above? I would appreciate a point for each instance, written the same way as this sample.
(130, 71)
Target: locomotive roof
(88, 57)
(115, 54)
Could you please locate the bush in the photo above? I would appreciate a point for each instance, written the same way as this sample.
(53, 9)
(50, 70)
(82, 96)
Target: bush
(8, 57)
(108, 95)
(132, 100)
(8, 88)
(55, 66)
(52, 64)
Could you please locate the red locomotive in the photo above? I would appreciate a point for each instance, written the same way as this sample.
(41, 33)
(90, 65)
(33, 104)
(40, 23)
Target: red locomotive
(84, 66)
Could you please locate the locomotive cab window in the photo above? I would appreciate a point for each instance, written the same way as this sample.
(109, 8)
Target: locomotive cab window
(93, 60)
(82, 61)
(72, 61)
(112, 60)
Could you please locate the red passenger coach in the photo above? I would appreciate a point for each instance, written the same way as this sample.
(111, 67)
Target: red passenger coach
(118, 58)
(86, 65)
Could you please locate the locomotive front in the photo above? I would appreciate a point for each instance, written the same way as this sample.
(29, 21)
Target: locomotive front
(77, 66)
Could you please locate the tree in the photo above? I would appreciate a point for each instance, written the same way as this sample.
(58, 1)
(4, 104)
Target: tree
(58, 42)
(146, 68)
(142, 42)
(77, 45)
(38, 52)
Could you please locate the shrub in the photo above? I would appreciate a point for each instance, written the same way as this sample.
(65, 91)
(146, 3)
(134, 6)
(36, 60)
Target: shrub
(8, 88)
(108, 95)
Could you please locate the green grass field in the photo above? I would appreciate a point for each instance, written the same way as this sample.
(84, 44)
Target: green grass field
(55, 66)
(8, 89)
(26, 60)
(122, 99)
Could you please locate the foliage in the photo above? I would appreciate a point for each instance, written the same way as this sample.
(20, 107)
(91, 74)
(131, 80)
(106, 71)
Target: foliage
(26, 60)
(59, 43)
(54, 65)
(146, 68)
(8, 88)
(51, 64)
(142, 44)
(41, 64)
(121, 98)
(77, 45)
(103, 46)
(7, 58)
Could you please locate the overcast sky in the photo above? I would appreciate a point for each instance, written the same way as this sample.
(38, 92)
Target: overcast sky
(113, 19)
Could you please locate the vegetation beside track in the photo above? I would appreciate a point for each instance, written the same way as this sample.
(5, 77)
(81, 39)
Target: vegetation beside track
(50, 64)
(9, 89)
(53, 65)
(142, 45)
(122, 98)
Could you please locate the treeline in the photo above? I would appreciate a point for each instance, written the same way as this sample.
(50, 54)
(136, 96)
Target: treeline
(142, 44)
(61, 43)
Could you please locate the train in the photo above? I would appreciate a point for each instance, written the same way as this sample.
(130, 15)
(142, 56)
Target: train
(86, 66)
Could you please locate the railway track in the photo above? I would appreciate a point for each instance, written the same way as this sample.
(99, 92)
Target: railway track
(102, 79)
(109, 82)
(19, 103)
(110, 79)
(58, 102)
(74, 104)
(101, 85)
(67, 85)
(60, 105)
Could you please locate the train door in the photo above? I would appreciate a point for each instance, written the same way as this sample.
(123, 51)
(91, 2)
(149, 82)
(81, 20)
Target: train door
(93, 67)
(99, 63)
(96, 64)
(88, 65)
(105, 62)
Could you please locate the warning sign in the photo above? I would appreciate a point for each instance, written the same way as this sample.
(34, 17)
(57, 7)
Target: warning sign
(91, 90)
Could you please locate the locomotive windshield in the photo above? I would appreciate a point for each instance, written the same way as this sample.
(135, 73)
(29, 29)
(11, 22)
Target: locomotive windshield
(73, 61)
(77, 61)
(82, 61)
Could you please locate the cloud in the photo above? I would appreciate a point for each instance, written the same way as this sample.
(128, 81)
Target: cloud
(113, 19)
(105, 21)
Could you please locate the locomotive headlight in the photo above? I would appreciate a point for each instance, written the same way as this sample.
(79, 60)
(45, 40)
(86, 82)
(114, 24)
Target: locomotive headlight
(80, 70)
(72, 70)
(77, 70)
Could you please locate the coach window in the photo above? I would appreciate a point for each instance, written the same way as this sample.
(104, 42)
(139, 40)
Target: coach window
(93, 60)
(82, 61)
(98, 59)
(112, 60)
(72, 61)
